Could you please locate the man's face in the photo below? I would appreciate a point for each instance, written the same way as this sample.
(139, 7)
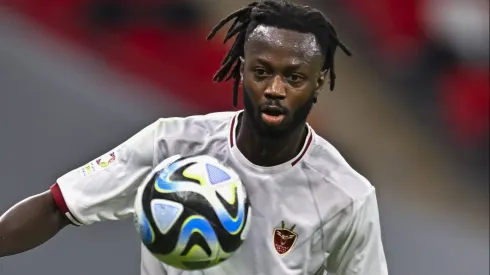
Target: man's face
(282, 73)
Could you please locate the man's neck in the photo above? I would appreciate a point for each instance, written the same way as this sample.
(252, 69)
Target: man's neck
(264, 151)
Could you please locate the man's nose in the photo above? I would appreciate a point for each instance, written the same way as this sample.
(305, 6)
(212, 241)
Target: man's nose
(276, 89)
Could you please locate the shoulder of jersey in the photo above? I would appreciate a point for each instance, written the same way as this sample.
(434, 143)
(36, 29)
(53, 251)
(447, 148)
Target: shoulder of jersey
(217, 116)
(325, 159)
(205, 122)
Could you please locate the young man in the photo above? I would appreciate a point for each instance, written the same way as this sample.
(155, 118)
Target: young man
(312, 213)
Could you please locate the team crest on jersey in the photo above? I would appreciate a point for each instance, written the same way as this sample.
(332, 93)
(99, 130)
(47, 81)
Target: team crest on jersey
(284, 238)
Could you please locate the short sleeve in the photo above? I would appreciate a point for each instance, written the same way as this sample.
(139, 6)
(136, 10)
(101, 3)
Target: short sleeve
(360, 250)
(105, 188)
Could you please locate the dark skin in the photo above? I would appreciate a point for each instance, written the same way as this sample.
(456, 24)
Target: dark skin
(29, 224)
(280, 67)
(284, 67)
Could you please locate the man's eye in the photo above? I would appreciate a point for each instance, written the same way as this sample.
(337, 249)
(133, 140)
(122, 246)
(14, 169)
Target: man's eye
(294, 78)
(260, 72)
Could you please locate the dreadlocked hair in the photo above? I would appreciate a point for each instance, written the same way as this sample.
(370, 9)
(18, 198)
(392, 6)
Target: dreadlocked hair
(280, 14)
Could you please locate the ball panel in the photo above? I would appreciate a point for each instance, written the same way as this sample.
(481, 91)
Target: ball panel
(231, 216)
(164, 243)
(230, 243)
(163, 184)
(179, 175)
(228, 194)
(165, 213)
(145, 229)
(197, 224)
(216, 175)
(197, 244)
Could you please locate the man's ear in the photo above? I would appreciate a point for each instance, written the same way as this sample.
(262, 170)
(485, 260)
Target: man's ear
(321, 79)
(320, 83)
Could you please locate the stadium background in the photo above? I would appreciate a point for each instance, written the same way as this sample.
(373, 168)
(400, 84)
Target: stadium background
(410, 112)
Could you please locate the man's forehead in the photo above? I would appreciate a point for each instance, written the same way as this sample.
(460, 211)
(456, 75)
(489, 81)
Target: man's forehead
(304, 43)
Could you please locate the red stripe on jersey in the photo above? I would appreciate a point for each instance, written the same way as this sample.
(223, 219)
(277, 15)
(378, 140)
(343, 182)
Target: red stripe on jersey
(232, 131)
(308, 142)
(61, 204)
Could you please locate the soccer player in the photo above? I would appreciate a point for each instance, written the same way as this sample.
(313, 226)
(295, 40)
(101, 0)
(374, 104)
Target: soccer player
(312, 213)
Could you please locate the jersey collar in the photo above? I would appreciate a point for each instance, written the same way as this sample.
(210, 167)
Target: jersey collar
(237, 154)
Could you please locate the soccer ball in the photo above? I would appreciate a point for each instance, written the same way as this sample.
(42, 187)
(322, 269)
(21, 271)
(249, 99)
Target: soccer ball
(192, 212)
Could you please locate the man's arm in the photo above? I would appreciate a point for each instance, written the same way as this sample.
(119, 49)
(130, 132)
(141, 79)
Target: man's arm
(103, 189)
(29, 224)
(361, 249)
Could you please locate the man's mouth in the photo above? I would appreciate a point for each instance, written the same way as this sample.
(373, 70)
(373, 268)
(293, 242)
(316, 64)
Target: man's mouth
(272, 115)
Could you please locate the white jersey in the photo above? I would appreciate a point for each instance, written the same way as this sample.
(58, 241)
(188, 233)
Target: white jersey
(311, 215)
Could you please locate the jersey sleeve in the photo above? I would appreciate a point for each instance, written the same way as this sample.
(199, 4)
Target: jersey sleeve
(105, 188)
(361, 249)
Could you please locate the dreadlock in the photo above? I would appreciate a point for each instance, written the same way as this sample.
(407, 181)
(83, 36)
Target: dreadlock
(280, 14)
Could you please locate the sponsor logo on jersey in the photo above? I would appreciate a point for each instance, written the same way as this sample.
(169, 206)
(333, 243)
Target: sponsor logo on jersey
(284, 238)
(97, 165)
(106, 160)
(87, 170)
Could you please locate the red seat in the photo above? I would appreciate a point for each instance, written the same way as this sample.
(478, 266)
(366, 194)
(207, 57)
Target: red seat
(465, 99)
(394, 25)
(179, 61)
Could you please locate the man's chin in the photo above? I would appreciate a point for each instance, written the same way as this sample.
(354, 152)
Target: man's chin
(274, 130)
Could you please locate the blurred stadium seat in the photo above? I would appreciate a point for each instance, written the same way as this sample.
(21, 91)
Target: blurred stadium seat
(449, 92)
(161, 41)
